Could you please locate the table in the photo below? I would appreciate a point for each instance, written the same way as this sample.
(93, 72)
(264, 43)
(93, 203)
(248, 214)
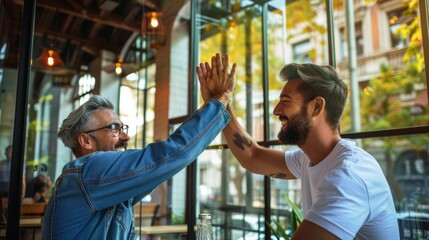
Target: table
(161, 230)
(30, 222)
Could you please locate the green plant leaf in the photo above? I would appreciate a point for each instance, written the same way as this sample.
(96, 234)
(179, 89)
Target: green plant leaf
(295, 209)
(281, 230)
(273, 231)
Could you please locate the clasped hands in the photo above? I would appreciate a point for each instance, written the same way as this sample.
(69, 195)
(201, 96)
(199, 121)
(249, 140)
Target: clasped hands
(216, 81)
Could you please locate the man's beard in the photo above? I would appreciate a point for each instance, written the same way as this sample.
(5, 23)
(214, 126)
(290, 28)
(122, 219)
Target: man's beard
(120, 146)
(297, 129)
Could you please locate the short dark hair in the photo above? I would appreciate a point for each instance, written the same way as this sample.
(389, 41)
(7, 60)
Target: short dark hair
(319, 80)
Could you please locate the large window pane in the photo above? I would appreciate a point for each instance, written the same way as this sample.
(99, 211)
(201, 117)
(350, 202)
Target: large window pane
(304, 39)
(388, 78)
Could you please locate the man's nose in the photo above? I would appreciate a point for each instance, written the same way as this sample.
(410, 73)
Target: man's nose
(276, 110)
(124, 136)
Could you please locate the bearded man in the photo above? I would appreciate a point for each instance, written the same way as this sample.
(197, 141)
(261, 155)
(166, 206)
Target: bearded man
(345, 194)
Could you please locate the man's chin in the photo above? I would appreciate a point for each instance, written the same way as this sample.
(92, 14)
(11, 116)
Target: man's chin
(121, 149)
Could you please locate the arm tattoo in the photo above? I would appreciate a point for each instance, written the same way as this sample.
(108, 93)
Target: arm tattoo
(279, 175)
(241, 141)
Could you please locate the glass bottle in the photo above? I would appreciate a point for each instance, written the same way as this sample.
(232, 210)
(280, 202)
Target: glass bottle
(204, 227)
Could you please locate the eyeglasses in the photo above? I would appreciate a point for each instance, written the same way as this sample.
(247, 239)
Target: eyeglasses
(114, 128)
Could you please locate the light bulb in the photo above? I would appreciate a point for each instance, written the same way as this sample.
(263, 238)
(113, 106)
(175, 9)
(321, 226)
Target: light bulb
(118, 69)
(154, 20)
(50, 59)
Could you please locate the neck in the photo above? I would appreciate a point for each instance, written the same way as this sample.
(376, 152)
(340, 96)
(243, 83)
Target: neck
(319, 145)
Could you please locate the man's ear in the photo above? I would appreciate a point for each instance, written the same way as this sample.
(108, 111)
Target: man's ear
(85, 141)
(319, 104)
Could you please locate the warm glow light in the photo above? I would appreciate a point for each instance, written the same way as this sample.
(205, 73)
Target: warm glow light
(154, 20)
(118, 68)
(50, 60)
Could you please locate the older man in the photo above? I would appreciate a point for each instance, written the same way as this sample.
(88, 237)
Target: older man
(95, 194)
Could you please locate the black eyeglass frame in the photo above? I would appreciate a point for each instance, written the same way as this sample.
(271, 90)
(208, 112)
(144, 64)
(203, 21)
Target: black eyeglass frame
(112, 127)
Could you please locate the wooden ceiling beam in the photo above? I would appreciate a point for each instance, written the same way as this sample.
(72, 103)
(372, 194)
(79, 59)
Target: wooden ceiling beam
(111, 20)
(90, 44)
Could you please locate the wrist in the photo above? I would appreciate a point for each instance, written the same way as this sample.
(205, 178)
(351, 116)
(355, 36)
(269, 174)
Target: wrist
(224, 98)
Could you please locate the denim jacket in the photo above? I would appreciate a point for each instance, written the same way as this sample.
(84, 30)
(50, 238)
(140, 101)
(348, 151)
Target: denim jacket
(95, 194)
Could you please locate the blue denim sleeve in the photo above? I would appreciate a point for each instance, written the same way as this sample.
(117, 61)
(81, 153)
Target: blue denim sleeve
(108, 178)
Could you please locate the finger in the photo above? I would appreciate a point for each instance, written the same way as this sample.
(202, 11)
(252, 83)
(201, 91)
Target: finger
(214, 68)
(234, 69)
(205, 92)
(226, 65)
(199, 72)
(208, 74)
(219, 64)
(203, 82)
(208, 68)
(203, 69)
(233, 72)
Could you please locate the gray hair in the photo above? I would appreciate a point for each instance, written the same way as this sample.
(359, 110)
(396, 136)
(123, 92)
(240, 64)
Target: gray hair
(76, 121)
(319, 80)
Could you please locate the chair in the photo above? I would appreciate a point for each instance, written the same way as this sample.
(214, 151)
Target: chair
(28, 211)
(145, 214)
(4, 202)
(3, 217)
(31, 211)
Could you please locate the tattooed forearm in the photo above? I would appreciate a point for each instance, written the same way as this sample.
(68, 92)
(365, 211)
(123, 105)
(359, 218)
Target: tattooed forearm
(242, 141)
(279, 175)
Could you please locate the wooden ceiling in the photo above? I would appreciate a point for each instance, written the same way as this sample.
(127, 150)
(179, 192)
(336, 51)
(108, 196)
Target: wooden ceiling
(79, 29)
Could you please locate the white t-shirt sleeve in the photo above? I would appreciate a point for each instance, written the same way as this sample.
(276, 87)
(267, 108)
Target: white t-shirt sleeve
(339, 208)
(293, 163)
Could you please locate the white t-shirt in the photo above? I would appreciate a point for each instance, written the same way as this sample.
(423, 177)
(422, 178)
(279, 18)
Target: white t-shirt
(346, 193)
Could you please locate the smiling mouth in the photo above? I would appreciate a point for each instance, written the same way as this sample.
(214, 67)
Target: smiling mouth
(283, 121)
(121, 147)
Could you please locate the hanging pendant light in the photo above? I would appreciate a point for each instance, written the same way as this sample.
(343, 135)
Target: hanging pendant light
(152, 28)
(154, 22)
(118, 67)
(49, 58)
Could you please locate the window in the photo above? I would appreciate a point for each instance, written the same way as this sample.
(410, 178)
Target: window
(343, 45)
(396, 19)
(344, 50)
(85, 86)
(227, 190)
(139, 88)
(301, 52)
(3, 52)
(359, 39)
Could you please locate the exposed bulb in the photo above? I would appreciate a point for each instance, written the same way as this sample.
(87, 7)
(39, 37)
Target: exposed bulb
(154, 20)
(51, 61)
(118, 69)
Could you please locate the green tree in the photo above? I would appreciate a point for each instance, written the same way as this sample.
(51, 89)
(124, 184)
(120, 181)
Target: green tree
(381, 105)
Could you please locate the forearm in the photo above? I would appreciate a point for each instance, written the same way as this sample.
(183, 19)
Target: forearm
(241, 144)
(251, 155)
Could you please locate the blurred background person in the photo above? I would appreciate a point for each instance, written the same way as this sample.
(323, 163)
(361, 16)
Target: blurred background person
(5, 174)
(41, 188)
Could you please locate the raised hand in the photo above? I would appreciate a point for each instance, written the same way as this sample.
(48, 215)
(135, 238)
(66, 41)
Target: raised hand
(216, 80)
